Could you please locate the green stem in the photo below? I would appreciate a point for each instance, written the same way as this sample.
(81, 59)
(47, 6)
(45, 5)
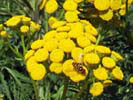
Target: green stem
(61, 14)
(65, 89)
(23, 44)
(98, 39)
(36, 11)
(126, 6)
(35, 86)
(46, 21)
(81, 90)
(14, 51)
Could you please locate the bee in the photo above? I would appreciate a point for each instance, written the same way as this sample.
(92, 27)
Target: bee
(79, 68)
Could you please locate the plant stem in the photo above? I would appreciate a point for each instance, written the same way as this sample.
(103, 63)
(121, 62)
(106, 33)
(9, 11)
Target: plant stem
(61, 14)
(46, 21)
(23, 44)
(35, 86)
(98, 39)
(126, 6)
(14, 51)
(65, 89)
(81, 91)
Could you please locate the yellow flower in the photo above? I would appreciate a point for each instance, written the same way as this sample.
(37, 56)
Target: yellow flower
(61, 35)
(117, 73)
(70, 5)
(57, 55)
(122, 12)
(4, 34)
(43, 2)
(31, 64)
(56, 67)
(91, 58)
(24, 29)
(51, 44)
(115, 4)
(66, 45)
(91, 37)
(34, 26)
(63, 29)
(41, 55)
(130, 2)
(13, 22)
(37, 44)
(102, 49)
(83, 41)
(108, 62)
(91, 29)
(76, 26)
(96, 89)
(76, 29)
(78, 1)
(89, 49)
(49, 35)
(57, 24)
(102, 4)
(76, 76)
(68, 67)
(1, 27)
(100, 73)
(29, 54)
(38, 73)
(51, 6)
(107, 83)
(108, 15)
(77, 54)
(51, 21)
(71, 16)
(131, 80)
(74, 33)
(116, 56)
(69, 70)
(26, 20)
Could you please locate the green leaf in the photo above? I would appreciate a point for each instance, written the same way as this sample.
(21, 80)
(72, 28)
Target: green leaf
(13, 75)
(5, 86)
(58, 95)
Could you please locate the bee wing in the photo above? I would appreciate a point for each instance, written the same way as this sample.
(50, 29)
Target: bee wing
(80, 60)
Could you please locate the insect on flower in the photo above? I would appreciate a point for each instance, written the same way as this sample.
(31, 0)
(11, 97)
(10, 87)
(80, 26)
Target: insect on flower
(79, 68)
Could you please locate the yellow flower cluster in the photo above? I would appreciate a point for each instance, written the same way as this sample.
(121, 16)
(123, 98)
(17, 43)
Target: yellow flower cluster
(70, 48)
(34, 58)
(109, 8)
(23, 23)
(63, 40)
(103, 63)
(50, 6)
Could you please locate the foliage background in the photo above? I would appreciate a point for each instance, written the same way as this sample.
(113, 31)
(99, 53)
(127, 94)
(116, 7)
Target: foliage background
(15, 83)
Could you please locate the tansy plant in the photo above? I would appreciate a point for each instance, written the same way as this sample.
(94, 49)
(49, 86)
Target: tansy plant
(20, 26)
(71, 48)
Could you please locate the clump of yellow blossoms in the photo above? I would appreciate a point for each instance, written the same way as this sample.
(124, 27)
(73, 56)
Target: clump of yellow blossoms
(70, 48)
(109, 8)
(22, 24)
